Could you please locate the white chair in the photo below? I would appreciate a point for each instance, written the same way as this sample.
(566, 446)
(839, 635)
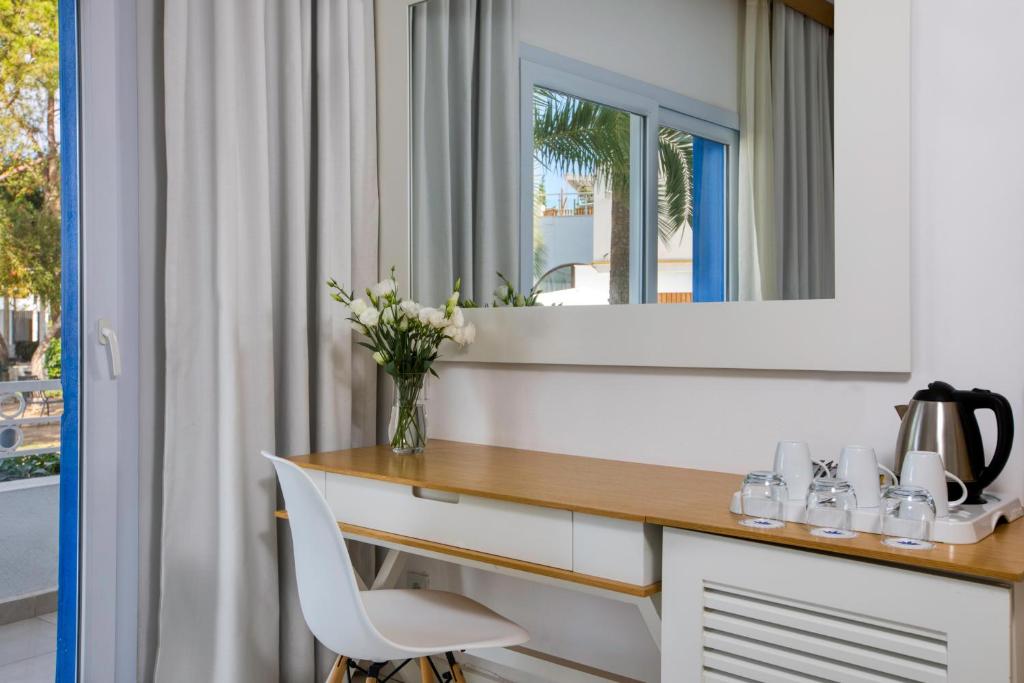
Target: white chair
(382, 625)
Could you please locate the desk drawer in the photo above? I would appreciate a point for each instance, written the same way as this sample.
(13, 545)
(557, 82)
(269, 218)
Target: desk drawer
(525, 532)
(616, 549)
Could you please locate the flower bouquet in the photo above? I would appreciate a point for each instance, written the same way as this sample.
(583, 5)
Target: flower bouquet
(405, 339)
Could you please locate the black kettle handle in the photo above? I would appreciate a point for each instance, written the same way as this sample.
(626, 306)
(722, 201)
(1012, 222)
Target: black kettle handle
(981, 399)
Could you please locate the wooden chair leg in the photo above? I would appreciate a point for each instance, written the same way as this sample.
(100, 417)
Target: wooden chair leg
(426, 673)
(374, 672)
(339, 670)
(455, 668)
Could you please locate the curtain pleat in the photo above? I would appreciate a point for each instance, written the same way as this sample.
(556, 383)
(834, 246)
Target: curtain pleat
(271, 188)
(804, 199)
(756, 217)
(464, 138)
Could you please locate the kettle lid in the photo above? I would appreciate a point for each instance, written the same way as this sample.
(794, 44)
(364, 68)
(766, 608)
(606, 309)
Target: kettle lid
(936, 391)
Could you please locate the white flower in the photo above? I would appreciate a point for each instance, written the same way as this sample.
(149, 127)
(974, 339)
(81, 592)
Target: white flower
(469, 334)
(387, 316)
(384, 287)
(410, 308)
(454, 333)
(501, 292)
(457, 318)
(369, 317)
(453, 299)
(379, 358)
(433, 317)
(357, 307)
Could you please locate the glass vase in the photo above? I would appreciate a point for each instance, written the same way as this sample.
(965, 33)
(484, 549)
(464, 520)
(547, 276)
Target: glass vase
(407, 428)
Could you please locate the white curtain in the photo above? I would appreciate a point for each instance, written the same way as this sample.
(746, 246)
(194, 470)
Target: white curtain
(756, 238)
(802, 101)
(271, 188)
(464, 147)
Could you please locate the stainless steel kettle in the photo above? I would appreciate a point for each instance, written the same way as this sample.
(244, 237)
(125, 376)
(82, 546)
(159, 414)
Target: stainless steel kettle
(941, 418)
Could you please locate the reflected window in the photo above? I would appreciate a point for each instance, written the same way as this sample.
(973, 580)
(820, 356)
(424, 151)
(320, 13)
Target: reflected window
(608, 226)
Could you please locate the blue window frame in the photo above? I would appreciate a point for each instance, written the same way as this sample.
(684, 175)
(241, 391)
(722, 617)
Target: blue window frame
(709, 220)
(67, 571)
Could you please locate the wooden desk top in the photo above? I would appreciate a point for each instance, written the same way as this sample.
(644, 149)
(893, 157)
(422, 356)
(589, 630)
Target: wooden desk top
(668, 496)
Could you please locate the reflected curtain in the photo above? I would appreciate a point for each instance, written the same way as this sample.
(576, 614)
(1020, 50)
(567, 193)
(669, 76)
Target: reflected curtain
(802, 103)
(464, 147)
(756, 219)
(271, 188)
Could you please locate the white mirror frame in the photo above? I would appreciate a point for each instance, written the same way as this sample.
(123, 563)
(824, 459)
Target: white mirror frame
(865, 328)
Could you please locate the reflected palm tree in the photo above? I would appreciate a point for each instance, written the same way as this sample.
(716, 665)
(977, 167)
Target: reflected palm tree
(575, 136)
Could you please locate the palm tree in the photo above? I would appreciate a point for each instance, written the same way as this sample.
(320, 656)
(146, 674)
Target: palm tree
(574, 136)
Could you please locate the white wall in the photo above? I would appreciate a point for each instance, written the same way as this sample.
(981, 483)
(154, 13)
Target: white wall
(968, 328)
(691, 48)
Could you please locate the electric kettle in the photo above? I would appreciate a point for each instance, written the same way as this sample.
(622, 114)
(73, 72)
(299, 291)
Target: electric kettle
(941, 418)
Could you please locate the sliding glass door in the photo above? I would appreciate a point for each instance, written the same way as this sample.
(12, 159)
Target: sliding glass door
(98, 577)
(108, 325)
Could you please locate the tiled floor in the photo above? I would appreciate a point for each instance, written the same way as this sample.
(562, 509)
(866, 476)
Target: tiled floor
(28, 650)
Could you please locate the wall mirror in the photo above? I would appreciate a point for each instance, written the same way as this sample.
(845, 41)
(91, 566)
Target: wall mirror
(584, 178)
(570, 160)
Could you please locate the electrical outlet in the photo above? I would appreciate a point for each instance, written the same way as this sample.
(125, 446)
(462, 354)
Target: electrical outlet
(417, 580)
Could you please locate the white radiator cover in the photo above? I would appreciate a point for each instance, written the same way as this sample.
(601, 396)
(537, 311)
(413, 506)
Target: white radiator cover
(740, 611)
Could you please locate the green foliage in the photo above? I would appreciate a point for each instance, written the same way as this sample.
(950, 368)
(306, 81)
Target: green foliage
(574, 136)
(51, 359)
(675, 182)
(27, 466)
(29, 249)
(506, 295)
(29, 151)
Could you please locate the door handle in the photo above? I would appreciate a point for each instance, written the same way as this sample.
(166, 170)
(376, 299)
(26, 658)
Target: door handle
(108, 338)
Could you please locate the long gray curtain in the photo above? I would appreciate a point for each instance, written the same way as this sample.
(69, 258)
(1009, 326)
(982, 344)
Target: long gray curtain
(271, 188)
(464, 147)
(804, 199)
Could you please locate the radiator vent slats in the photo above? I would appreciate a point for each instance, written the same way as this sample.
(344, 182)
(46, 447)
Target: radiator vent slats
(768, 638)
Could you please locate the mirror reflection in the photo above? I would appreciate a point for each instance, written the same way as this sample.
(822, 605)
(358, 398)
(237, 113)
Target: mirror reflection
(589, 152)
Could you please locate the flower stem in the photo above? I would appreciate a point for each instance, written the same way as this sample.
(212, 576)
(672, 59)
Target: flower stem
(408, 434)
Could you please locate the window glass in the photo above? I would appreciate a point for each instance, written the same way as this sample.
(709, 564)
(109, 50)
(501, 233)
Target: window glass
(582, 218)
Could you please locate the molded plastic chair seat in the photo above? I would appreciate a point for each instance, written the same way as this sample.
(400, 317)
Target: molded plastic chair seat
(379, 626)
(429, 622)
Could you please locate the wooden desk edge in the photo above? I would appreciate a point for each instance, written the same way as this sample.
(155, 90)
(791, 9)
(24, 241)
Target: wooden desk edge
(905, 559)
(499, 560)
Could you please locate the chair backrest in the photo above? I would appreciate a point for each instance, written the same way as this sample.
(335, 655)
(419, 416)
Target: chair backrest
(328, 591)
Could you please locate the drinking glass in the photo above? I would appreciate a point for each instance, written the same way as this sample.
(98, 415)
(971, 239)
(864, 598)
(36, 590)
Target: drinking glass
(830, 503)
(907, 512)
(763, 495)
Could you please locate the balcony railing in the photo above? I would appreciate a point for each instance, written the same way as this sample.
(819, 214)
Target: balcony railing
(569, 204)
(28, 409)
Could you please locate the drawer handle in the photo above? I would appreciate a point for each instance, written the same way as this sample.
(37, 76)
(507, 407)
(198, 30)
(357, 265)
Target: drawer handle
(432, 494)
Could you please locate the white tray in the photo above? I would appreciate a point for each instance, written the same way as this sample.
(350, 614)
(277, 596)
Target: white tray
(966, 524)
